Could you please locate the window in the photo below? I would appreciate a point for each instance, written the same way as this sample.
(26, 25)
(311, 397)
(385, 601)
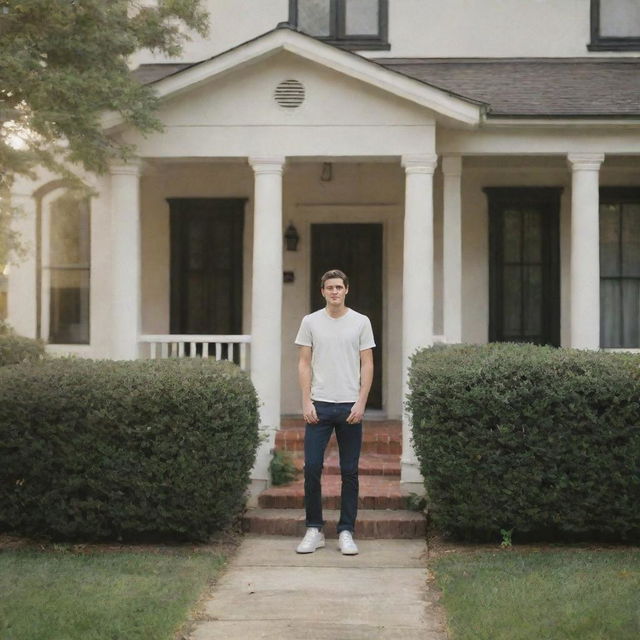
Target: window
(66, 261)
(615, 25)
(353, 24)
(620, 267)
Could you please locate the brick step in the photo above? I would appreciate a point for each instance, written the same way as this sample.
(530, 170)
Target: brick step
(371, 464)
(376, 492)
(375, 439)
(371, 524)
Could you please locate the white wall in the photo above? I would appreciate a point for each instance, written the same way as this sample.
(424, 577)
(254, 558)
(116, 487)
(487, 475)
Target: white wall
(232, 22)
(425, 28)
(488, 28)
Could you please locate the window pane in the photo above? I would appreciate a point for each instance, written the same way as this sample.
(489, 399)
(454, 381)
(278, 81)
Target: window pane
(630, 304)
(69, 319)
(532, 236)
(532, 284)
(610, 316)
(631, 240)
(362, 17)
(511, 316)
(314, 17)
(609, 240)
(69, 239)
(620, 18)
(511, 225)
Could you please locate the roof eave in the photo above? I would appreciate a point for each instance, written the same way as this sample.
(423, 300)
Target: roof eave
(453, 108)
(561, 120)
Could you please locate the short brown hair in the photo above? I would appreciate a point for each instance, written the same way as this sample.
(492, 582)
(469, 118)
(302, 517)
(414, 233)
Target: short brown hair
(334, 273)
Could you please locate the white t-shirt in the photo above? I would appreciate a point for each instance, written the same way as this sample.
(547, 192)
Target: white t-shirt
(336, 344)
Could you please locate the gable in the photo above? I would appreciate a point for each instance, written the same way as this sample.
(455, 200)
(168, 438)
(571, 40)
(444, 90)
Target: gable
(247, 98)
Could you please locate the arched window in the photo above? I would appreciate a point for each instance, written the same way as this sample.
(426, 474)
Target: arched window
(66, 269)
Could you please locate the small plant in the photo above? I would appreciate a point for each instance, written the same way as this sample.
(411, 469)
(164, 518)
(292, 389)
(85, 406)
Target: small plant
(506, 538)
(416, 502)
(282, 468)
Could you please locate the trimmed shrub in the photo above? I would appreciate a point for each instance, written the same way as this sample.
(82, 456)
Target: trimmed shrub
(541, 441)
(16, 349)
(124, 450)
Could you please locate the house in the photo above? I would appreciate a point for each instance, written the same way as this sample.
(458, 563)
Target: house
(473, 166)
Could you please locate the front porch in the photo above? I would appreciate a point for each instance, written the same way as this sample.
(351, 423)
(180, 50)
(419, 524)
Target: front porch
(184, 245)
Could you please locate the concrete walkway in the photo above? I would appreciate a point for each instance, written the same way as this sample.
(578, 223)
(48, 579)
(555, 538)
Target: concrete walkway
(270, 592)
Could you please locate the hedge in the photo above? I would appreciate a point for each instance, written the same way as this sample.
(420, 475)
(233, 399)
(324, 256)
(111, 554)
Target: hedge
(16, 349)
(103, 450)
(541, 441)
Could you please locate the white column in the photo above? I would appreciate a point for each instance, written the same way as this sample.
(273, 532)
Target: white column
(417, 284)
(266, 300)
(585, 250)
(125, 260)
(452, 249)
(21, 272)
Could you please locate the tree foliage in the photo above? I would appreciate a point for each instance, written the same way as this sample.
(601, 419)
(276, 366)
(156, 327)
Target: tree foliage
(63, 63)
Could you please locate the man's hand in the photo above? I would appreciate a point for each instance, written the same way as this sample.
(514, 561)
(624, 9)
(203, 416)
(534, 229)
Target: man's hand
(309, 413)
(357, 412)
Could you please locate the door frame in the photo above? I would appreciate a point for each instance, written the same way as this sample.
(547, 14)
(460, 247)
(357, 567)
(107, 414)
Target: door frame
(376, 235)
(499, 198)
(391, 218)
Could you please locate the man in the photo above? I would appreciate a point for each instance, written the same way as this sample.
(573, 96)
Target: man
(335, 371)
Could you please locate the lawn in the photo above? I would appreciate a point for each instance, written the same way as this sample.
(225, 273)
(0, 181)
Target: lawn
(541, 595)
(106, 595)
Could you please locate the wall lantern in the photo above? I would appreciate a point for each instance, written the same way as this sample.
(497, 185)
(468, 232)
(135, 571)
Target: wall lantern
(291, 238)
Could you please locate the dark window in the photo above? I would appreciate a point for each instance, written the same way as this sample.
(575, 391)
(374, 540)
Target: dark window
(524, 265)
(615, 25)
(69, 270)
(353, 24)
(206, 265)
(620, 268)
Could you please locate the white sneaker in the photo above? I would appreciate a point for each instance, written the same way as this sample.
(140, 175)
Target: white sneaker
(313, 539)
(346, 544)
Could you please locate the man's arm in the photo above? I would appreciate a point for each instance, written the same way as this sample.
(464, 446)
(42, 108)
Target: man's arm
(304, 378)
(366, 379)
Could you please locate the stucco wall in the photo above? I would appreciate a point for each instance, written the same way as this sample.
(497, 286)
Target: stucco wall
(425, 28)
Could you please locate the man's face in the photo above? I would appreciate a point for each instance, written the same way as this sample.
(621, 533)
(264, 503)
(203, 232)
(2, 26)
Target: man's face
(334, 291)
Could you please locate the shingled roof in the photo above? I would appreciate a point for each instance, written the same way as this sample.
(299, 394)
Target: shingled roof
(535, 87)
(531, 87)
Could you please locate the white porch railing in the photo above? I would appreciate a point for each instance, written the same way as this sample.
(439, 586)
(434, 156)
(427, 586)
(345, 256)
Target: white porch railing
(232, 347)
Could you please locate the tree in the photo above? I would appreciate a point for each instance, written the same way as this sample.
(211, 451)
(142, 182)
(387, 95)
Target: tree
(63, 63)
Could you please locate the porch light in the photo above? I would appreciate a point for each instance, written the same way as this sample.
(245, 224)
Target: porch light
(291, 238)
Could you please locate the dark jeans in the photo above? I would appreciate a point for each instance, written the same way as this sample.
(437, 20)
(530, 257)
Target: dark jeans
(332, 415)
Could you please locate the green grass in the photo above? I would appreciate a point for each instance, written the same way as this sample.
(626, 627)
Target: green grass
(100, 596)
(544, 595)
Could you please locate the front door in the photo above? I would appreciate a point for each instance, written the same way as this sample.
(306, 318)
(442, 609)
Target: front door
(355, 249)
(524, 268)
(206, 265)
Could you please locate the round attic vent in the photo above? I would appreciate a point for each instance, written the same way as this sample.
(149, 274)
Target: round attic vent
(289, 94)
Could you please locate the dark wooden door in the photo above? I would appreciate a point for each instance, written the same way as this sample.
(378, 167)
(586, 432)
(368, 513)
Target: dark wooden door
(206, 265)
(356, 249)
(524, 269)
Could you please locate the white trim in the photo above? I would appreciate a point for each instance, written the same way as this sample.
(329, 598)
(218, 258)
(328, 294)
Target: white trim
(455, 109)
